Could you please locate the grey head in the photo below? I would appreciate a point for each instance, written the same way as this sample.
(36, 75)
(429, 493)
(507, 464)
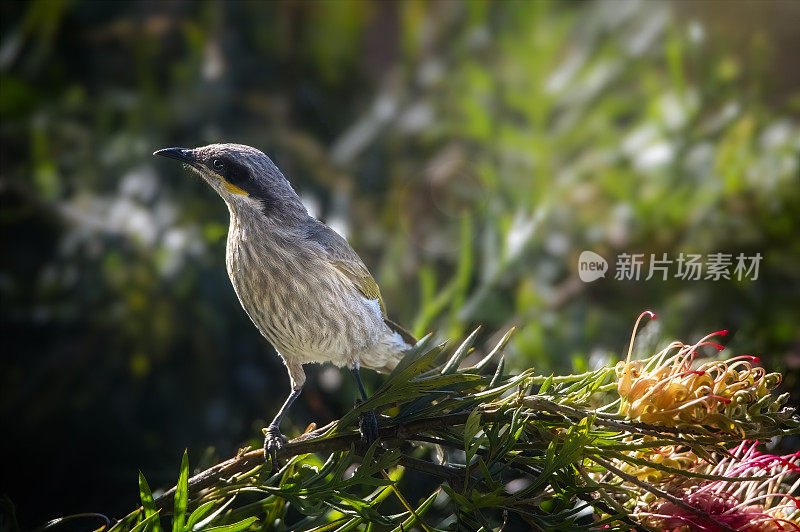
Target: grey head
(244, 177)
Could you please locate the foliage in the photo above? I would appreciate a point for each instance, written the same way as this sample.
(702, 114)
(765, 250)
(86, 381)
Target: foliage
(553, 452)
(468, 150)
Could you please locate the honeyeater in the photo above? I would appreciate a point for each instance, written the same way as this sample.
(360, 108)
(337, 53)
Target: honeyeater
(301, 283)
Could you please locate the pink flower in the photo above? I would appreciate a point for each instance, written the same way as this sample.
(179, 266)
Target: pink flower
(765, 503)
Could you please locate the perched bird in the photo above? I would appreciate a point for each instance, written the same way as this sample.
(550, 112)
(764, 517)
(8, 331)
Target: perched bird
(300, 282)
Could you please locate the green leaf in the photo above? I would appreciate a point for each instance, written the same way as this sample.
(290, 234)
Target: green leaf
(471, 427)
(499, 347)
(404, 385)
(145, 525)
(328, 527)
(211, 518)
(419, 512)
(181, 495)
(148, 504)
(459, 499)
(487, 475)
(244, 524)
(199, 512)
(415, 366)
(350, 525)
(498, 374)
(412, 356)
(548, 382)
(438, 381)
(515, 430)
(460, 353)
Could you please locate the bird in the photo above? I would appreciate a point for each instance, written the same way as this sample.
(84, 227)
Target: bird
(300, 282)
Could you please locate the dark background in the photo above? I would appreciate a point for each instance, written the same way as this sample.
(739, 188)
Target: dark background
(469, 151)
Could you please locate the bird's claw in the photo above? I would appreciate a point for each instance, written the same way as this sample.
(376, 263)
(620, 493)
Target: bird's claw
(368, 427)
(273, 443)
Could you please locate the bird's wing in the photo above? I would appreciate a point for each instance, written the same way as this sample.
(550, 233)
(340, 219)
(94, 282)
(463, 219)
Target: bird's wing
(362, 280)
(345, 259)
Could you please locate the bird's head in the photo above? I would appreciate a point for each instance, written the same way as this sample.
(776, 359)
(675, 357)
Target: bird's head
(245, 178)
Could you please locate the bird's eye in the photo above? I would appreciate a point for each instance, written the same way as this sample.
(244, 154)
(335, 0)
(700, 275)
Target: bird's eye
(217, 164)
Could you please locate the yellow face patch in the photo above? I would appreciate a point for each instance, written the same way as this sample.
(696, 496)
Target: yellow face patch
(233, 189)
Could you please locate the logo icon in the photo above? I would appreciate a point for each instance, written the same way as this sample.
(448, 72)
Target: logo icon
(591, 266)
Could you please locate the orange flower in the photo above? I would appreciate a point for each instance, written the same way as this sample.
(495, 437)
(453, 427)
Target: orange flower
(667, 390)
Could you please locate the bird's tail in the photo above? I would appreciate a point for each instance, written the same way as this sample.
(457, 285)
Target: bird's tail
(404, 334)
(390, 349)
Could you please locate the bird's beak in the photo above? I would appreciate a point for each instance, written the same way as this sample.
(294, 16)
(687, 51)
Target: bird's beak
(184, 155)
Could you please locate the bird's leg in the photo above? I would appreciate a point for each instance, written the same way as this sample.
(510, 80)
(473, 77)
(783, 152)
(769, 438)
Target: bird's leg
(273, 439)
(367, 423)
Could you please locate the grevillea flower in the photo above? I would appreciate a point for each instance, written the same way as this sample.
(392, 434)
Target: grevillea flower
(767, 502)
(668, 389)
(658, 458)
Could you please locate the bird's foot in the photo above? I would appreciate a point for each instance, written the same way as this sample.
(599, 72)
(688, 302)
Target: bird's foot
(368, 427)
(273, 443)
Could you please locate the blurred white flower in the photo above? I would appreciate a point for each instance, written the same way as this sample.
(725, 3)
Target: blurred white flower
(140, 183)
(654, 156)
(330, 379)
(213, 61)
(696, 32)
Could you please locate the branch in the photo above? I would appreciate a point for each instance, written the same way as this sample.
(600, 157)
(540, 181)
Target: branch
(309, 443)
(315, 442)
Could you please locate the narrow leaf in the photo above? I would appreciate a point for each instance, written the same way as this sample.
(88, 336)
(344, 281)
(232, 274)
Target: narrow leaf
(548, 382)
(145, 525)
(181, 495)
(199, 512)
(413, 354)
(471, 428)
(460, 353)
(498, 374)
(234, 527)
(421, 510)
(210, 519)
(147, 503)
(499, 347)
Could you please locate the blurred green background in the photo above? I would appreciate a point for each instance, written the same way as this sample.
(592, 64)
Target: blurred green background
(469, 151)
